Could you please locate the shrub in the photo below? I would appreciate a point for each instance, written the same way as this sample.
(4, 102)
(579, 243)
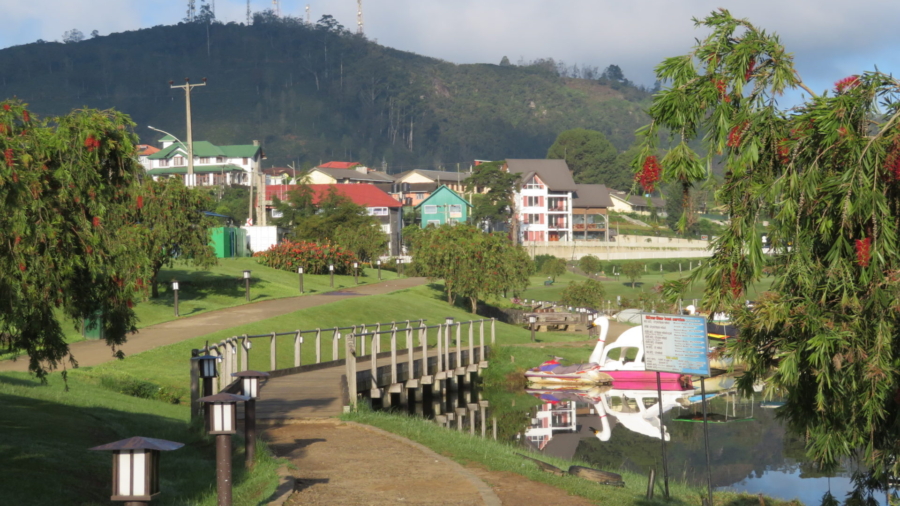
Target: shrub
(313, 257)
(540, 260)
(587, 294)
(129, 385)
(589, 264)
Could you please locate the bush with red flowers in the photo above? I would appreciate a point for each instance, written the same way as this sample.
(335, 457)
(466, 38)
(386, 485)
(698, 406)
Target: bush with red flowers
(313, 257)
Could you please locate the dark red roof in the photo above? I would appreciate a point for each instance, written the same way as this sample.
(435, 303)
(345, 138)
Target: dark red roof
(339, 165)
(363, 194)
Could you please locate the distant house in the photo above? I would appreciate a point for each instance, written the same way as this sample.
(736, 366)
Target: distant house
(279, 175)
(590, 206)
(349, 173)
(646, 205)
(443, 206)
(213, 165)
(144, 152)
(543, 203)
(620, 202)
(414, 186)
(378, 203)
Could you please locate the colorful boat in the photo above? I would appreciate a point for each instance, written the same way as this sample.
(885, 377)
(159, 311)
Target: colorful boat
(552, 372)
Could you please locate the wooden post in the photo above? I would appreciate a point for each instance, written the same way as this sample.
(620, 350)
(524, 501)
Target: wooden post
(377, 330)
(233, 349)
(393, 355)
(409, 353)
(298, 340)
(350, 353)
(483, 421)
(493, 331)
(447, 366)
(471, 343)
(494, 423)
(226, 364)
(458, 345)
(215, 381)
(423, 341)
(245, 355)
(373, 365)
(362, 344)
(481, 342)
(318, 346)
(471, 422)
(195, 385)
(334, 344)
(273, 358)
(440, 349)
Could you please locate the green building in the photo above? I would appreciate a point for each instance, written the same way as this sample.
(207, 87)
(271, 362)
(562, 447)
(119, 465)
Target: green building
(444, 206)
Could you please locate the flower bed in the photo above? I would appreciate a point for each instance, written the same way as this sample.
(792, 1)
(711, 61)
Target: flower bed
(313, 257)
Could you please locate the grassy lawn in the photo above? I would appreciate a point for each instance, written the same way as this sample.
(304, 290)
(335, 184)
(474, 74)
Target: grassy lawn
(222, 286)
(45, 432)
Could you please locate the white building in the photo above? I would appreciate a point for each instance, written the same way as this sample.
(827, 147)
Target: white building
(543, 205)
(213, 165)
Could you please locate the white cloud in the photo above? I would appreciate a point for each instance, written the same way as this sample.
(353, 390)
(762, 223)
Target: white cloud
(829, 39)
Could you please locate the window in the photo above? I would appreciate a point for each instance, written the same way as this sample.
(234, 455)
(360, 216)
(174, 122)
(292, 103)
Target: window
(204, 159)
(178, 160)
(245, 161)
(378, 211)
(436, 223)
(220, 159)
(532, 201)
(454, 222)
(533, 219)
(534, 184)
(430, 210)
(164, 163)
(456, 208)
(419, 195)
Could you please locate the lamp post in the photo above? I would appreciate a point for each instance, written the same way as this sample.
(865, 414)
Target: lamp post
(175, 292)
(356, 272)
(300, 272)
(532, 319)
(247, 285)
(136, 468)
(250, 388)
(221, 423)
(379, 269)
(331, 273)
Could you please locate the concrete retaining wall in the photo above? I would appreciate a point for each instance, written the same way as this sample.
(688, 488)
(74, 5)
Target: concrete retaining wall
(632, 247)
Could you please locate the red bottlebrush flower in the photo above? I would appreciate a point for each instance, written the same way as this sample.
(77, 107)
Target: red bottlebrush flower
(22, 267)
(649, 174)
(892, 161)
(846, 84)
(721, 87)
(129, 303)
(5, 107)
(2, 128)
(842, 131)
(734, 136)
(140, 201)
(25, 116)
(91, 143)
(863, 251)
(750, 68)
(96, 221)
(9, 157)
(784, 152)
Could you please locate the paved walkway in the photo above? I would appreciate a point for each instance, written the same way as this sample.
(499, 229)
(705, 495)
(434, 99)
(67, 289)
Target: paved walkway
(95, 352)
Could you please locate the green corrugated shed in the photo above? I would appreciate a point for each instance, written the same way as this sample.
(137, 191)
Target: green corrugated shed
(229, 242)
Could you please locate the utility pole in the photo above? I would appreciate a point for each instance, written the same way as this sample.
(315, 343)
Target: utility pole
(187, 87)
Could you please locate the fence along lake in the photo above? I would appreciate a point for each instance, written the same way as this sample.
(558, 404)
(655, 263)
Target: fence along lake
(750, 449)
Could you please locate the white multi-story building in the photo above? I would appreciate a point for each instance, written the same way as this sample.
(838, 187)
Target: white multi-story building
(544, 201)
(213, 165)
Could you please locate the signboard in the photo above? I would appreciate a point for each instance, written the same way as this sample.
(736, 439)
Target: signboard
(455, 214)
(675, 343)
(277, 214)
(704, 237)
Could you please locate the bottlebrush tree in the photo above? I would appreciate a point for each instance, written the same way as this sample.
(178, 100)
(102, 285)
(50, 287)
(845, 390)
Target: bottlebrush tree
(825, 173)
(67, 192)
(313, 257)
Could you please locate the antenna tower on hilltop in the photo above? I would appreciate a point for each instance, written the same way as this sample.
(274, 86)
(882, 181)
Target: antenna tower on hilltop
(276, 8)
(248, 12)
(191, 11)
(359, 18)
(307, 14)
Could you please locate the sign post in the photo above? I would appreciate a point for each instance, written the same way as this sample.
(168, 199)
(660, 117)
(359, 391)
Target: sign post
(676, 344)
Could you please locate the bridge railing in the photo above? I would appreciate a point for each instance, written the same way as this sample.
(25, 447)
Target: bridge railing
(450, 361)
(234, 353)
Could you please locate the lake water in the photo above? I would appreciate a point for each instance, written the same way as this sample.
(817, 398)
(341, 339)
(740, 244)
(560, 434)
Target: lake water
(750, 450)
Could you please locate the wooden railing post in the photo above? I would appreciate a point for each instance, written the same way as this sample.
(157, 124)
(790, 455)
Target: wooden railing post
(334, 344)
(481, 342)
(458, 345)
(215, 381)
(440, 349)
(233, 349)
(373, 365)
(273, 356)
(393, 355)
(493, 331)
(318, 346)
(409, 353)
(350, 353)
(298, 340)
(471, 342)
(362, 344)
(423, 342)
(245, 355)
(447, 347)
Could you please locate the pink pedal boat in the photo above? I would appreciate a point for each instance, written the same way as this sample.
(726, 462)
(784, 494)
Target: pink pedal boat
(621, 373)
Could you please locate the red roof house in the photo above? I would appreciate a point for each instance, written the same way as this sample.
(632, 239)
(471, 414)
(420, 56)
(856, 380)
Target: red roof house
(339, 165)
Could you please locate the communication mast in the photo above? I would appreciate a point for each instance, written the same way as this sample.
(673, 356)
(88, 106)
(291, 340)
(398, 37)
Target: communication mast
(191, 11)
(359, 18)
(276, 8)
(248, 12)
(307, 14)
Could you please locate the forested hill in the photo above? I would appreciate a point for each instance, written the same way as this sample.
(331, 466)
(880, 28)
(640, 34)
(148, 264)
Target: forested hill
(312, 93)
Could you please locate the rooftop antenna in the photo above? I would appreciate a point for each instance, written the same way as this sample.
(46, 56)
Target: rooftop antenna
(359, 18)
(191, 10)
(248, 12)
(307, 14)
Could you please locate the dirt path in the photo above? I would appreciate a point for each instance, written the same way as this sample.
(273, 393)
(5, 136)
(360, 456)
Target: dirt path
(90, 353)
(386, 469)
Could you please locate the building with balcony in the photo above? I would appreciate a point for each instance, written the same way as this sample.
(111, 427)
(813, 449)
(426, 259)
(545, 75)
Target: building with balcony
(544, 200)
(590, 206)
(213, 165)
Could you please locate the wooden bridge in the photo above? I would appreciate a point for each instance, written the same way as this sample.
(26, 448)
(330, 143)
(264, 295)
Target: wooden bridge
(441, 357)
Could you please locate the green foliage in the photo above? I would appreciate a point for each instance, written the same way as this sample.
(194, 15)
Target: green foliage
(234, 202)
(411, 234)
(540, 260)
(633, 270)
(588, 293)
(313, 257)
(367, 241)
(67, 201)
(825, 175)
(496, 204)
(553, 267)
(590, 264)
(472, 263)
(173, 225)
(312, 93)
(124, 383)
(590, 157)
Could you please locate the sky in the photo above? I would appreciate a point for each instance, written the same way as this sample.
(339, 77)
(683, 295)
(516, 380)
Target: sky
(829, 39)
